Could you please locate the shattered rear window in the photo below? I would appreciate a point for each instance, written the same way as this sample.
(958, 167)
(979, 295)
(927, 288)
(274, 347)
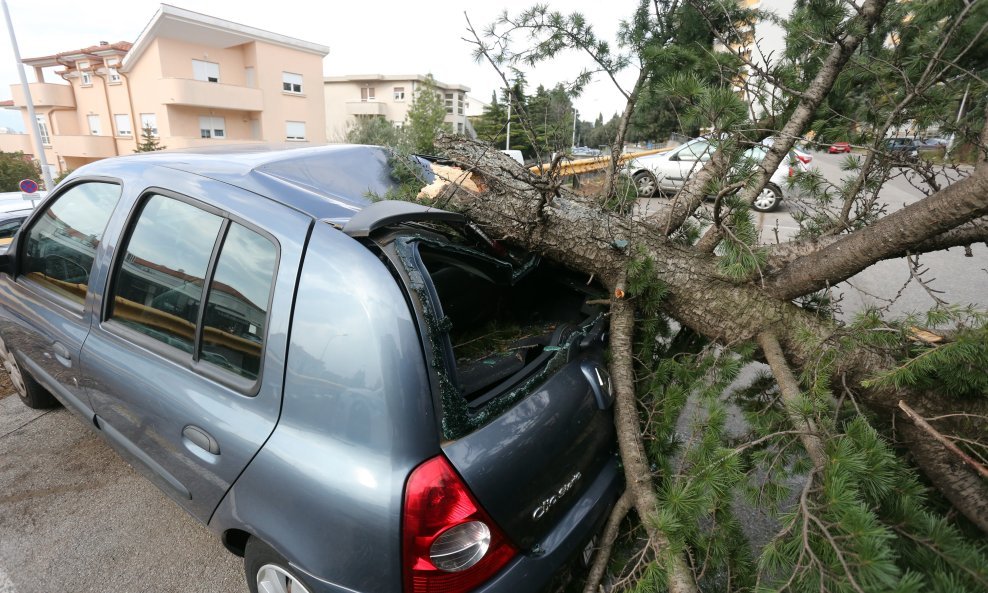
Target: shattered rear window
(498, 327)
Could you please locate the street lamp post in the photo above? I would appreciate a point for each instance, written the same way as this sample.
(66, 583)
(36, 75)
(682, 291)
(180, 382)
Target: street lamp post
(507, 138)
(575, 114)
(38, 146)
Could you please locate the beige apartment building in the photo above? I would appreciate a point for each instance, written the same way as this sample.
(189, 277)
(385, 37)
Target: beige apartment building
(389, 96)
(195, 80)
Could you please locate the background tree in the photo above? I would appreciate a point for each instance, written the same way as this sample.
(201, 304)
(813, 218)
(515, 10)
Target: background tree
(426, 118)
(149, 140)
(850, 410)
(14, 167)
(376, 131)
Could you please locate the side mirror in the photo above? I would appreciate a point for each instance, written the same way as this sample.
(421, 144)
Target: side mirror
(7, 263)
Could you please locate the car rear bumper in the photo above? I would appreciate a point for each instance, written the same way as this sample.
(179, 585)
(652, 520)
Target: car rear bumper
(534, 569)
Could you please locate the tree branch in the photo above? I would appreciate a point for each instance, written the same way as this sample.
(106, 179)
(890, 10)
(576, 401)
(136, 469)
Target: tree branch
(607, 539)
(894, 234)
(791, 394)
(925, 427)
(638, 475)
(969, 233)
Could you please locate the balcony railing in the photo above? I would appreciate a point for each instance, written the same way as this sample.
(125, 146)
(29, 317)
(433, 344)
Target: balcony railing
(16, 143)
(45, 94)
(84, 146)
(183, 91)
(365, 108)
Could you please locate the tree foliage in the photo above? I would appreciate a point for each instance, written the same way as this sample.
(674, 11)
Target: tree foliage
(551, 112)
(824, 446)
(149, 140)
(426, 118)
(15, 167)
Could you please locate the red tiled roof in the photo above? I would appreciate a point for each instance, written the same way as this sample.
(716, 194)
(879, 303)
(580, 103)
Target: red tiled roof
(120, 46)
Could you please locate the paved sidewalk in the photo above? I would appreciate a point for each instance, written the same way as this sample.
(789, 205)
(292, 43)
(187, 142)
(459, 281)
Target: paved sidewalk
(75, 517)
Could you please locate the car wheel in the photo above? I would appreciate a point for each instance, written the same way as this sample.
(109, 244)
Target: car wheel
(768, 200)
(645, 184)
(268, 572)
(31, 393)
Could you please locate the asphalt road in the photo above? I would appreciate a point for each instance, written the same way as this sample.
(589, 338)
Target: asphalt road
(962, 280)
(75, 517)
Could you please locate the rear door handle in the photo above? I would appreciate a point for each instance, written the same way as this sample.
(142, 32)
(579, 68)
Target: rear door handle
(62, 354)
(202, 439)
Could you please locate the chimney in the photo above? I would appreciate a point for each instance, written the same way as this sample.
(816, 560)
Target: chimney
(103, 43)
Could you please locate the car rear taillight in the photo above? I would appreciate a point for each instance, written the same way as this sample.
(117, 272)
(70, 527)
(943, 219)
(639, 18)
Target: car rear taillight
(792, 172)
(449, 544)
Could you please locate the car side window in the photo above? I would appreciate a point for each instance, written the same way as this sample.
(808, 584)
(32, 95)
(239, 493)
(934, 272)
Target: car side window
(698, 151)
(159, 283)
(60, 246)
(9, 228)
(237, 302)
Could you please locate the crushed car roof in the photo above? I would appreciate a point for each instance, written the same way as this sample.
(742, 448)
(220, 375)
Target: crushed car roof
(324, 181)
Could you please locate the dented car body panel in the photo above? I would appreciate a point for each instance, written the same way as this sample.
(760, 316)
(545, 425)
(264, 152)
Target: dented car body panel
(284, 382)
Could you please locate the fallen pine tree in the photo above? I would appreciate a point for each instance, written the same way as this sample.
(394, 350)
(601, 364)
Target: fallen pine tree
(822, 370)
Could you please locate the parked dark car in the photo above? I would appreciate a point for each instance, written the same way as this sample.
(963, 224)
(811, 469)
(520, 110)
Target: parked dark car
(353, 396)
(10, 223)
(902, 148)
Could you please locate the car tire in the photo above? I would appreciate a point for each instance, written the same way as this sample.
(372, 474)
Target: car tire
(768, 200)
(645, 184)
(30, 391)
(267, 571)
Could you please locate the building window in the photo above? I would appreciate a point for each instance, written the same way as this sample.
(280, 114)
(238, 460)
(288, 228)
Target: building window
(122, 122)
(43, 130)
(94, 128)
(206, 71)
(399, 93)
(112, 75)
(459, 104)
(295, 130)
(212, 127)
(87, 78)
(459, 128)
(448, 100)
(291, 83)
(149, 120)
(368, 93)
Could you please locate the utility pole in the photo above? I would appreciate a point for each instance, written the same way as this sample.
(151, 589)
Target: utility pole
(575, 113)
(960, 112)
(507, 139)
(38, 146)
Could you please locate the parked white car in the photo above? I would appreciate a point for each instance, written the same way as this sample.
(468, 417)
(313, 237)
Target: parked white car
(668, 171)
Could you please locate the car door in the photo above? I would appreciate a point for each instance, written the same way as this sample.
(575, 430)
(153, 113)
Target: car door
(686, 162)
(185, 363)
(47, 303)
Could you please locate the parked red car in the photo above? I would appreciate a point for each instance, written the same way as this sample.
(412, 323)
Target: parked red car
(838, 147)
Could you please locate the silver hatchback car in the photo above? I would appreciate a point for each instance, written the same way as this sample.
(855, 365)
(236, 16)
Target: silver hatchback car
(354, 396)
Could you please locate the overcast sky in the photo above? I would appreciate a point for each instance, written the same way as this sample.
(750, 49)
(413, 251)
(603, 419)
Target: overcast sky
(379, 36)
